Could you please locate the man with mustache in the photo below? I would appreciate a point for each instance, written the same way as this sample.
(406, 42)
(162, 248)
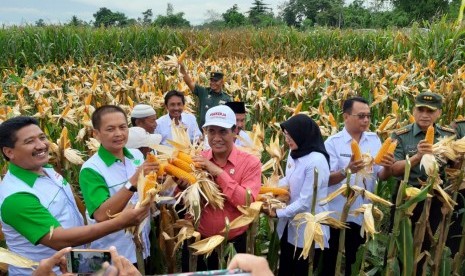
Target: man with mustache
(174, 104)
(208, 96)
(38, 211)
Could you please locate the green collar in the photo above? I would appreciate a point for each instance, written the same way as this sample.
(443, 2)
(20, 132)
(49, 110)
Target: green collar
(26, 176)
(109, 159)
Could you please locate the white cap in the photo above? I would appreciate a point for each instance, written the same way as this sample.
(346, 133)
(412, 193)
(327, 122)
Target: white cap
(139, 137)
(142, 111)
(221, 116)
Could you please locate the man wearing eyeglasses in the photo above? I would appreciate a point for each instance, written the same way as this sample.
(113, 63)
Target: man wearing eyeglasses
(208, 96)
(356, 113)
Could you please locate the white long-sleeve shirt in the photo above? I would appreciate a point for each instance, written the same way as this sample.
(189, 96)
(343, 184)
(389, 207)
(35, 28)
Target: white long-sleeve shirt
(188, 120)
(299, 177)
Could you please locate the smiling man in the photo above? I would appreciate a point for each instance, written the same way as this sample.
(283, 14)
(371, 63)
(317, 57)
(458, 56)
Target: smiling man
(208, 96)
(174, 104)
(233, 171)
(144, 116)
(108, 179)
(37, 207)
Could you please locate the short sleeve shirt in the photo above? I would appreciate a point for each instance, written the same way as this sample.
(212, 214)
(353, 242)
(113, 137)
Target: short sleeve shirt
(208, 99)
(408, 138)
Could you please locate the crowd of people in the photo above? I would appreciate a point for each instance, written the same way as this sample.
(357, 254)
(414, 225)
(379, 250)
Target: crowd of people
(40, 218)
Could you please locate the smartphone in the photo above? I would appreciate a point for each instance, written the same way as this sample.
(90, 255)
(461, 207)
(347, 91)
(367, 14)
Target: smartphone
(222, 272)
(86, 261)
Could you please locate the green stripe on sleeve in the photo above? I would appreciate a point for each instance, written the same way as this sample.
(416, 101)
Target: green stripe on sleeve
(94, 189)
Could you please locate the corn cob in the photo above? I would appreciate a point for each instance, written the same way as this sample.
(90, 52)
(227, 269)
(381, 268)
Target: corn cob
(332, 121)
(382, 151)
(356, 153)
(185, 157)
(181, 164)
(395, 107)
(384, 123)
(151, 157)
(274, 190)
(182, 56)
(179, 173)
(429, 137)
(150, 183)
(392, 146)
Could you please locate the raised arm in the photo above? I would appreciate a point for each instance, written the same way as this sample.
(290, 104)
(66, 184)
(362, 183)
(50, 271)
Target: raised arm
(187, 78)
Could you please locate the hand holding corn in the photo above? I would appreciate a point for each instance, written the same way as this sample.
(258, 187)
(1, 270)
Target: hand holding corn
(132, 216)
(387, 160)
(207, 165)
(147, 167)
(424, 147)
(355, 165)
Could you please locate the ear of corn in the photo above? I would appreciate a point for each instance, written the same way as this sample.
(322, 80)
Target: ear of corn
(274, 190)
(383, 124)
(151, 157)
(182, 56)
(383, 150)
(181, 164)
(392, 147)
(185, 157)
(179, 173)
(356, 153)
(429, 137)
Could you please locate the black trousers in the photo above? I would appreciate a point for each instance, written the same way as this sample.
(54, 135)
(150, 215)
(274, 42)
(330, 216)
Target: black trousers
(290, 264)
(211, 263)
(353, 241)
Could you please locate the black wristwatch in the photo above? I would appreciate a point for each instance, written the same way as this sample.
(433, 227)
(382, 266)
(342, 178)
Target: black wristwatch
(130, 187)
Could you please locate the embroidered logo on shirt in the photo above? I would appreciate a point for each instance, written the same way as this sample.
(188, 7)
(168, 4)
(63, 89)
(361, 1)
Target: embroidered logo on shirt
(232, 171)
(346, 154)
(222, 102)
(136, 162)
(289, 166)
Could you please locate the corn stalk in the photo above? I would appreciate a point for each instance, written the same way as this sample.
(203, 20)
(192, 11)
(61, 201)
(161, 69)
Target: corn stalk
(392, 265)
(193, 258)
(342, 234)
(252, 230)
(314, 198)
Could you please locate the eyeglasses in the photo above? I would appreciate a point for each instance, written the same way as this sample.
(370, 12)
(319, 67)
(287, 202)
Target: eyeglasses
(362, 116)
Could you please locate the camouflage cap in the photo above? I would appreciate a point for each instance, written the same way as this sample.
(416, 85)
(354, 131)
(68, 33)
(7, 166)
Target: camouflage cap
(428, 99)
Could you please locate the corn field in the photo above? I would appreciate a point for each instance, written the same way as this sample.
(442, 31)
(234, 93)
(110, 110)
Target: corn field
(61, 74)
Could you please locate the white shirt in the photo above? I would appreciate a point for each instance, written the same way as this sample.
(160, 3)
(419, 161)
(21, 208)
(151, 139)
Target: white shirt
(247, 140)
(188, 120)
(300, 177)
(339, 150)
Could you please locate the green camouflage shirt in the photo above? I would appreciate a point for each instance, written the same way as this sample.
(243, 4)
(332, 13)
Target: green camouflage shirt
(408, 138)
(208, 99)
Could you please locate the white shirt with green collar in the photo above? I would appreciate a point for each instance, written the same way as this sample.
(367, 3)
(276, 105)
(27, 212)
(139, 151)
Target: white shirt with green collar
(102, 176)
(30, 204)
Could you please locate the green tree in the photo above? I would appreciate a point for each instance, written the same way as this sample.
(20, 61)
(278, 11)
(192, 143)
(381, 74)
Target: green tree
(320, 12)
(233, 18)
(40, 23)
(106, 17)
(147, 17)
(259, 12)
(422, 10)
(174, 20)
(75, 21)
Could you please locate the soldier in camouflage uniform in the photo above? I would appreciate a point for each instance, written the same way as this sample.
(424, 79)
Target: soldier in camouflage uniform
(411, 142)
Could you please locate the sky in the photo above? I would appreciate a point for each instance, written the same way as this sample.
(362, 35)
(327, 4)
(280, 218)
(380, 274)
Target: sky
(17, 12)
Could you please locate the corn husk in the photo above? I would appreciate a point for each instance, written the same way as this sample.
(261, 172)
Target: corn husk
(368, 225)
(313, 228)
(206, 246)
(249, 214)
(10, 258)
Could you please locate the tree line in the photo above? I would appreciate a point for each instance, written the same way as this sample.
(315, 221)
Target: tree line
(302, 14)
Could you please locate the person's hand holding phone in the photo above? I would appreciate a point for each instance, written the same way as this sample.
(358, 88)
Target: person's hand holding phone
(58, 259)
(256, 266)
(121, 265)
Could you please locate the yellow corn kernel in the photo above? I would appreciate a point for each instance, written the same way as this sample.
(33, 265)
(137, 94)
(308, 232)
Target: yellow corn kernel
(384, 123)
(181, 164)
(185, 157)
(274, 190)
(161, 169)
(179, 173)
(150, 183)
(382, 151)
(392, 147)
(395, 107)
(331, 119)
(182, 56)
(356, 153)
(429, 137)
(151, 157)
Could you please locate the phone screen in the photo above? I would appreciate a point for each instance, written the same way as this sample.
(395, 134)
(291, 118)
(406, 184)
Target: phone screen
(87, 261)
